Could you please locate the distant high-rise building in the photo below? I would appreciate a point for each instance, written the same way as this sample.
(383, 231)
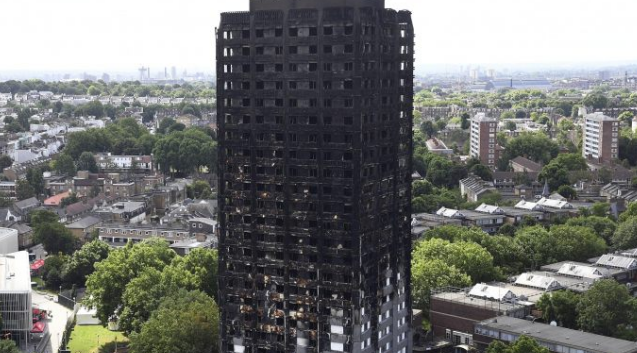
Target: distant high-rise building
(315, 124)
(106, 77)
(601, 138)
(604, 75)
(173, 73)
(484, 145)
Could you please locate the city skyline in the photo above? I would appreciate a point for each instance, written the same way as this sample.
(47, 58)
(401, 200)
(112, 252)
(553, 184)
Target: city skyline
(68, 35)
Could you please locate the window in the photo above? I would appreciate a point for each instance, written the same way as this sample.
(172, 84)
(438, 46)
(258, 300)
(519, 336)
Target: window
(292, 84)
(294, 32)
(293, 67)
(278, 67)
(259, 33)
(328, 30)
(278, 32)
(327, 66)
(313, 67)
(348, 66)
(349, 30)
(349, 48)
(327, 49)
(293, 50)
(245, 51)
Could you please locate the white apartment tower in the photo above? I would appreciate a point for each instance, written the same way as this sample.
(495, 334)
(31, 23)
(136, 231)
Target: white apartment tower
(601, 138)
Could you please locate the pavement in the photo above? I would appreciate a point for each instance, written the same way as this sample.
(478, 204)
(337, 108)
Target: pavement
(56, 323)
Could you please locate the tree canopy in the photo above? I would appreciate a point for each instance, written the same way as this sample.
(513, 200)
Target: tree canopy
(534, 146)
(187, 321)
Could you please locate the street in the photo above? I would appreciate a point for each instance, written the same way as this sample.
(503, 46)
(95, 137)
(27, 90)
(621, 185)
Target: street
(57, 323)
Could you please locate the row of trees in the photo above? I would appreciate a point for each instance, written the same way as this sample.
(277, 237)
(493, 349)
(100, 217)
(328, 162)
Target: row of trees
(21, 123)
(175, 151)
(125, 136)
(130, 88)
(458, 257)
(607, 308)
(159, 294)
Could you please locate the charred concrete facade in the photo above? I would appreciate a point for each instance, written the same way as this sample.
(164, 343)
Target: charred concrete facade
(315, 119)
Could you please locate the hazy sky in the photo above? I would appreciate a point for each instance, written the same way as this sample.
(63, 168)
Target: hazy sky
(125, 34)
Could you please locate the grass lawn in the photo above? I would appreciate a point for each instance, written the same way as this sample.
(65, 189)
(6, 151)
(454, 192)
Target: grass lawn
(84, 339)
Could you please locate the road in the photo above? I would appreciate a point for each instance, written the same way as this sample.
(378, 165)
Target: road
(57, 323)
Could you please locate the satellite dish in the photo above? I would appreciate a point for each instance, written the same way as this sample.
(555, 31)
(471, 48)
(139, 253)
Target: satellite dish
(553, 323)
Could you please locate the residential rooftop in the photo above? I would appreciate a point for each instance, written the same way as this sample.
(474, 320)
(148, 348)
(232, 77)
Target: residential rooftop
(581, 340)
(15, 272)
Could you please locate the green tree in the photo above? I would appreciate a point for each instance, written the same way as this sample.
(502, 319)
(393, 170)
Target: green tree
(5, 161)
(507, 115)
(65, 165)
(23, 190)
(81, 264)
(596, 101)
(607, 308)
(631, 211)
(430, 274)
(555, 175)
(428, 128)
(465, 122)
(567, 191)
(626, 118)
(94, 91)
(55, 238)
(422, 187)
(603, 226)
(576, 243)
(600, 209)
(185, 152)
(482, 171)
(87, 162)
(106, 285)
(559, 306)
(497, 347)
(560, 244)
(508, 255)
(507, 229)
(93, 108)
(51, 271)
(535, 146)
(186, 322)
(165, 125)
(625, 236)
(196, 271)
(468, 257)
(200, 189)
(524, 344)
(8, 346)
(571, 161)
(35, 178)
(510, 125)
